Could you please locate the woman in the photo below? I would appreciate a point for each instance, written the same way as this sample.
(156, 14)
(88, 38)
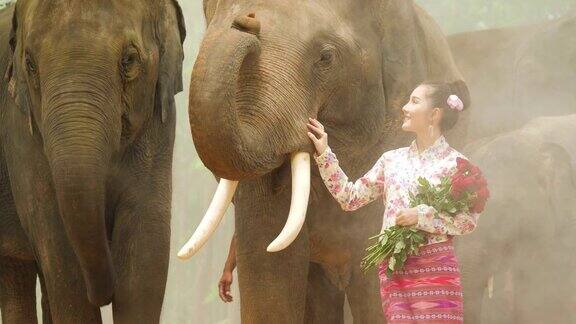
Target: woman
(428, 288)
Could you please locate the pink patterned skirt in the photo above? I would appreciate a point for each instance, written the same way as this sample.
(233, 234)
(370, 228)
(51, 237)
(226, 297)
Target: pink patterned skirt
(426, 290)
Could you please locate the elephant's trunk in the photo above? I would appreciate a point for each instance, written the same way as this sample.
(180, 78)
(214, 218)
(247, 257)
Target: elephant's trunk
(225, 138)
(80, 134)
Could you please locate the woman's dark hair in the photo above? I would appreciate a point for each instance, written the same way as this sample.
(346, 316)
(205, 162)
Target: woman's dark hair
(438, 93)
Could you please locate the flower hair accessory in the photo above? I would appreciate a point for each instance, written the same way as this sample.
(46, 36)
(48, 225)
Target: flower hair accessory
(455, 103)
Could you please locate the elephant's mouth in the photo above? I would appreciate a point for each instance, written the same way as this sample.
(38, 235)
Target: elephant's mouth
(300, 166)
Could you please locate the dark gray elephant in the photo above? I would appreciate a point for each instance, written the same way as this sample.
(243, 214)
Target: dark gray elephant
(87, 132)
(523, 246)
(516, 74)
(262, 70)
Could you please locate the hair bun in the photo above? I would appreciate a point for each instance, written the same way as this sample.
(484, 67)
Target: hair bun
(460, 89)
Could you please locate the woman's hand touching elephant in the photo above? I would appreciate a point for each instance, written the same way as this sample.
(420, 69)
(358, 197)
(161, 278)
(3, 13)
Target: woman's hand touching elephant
(407, 217)
(317, 135)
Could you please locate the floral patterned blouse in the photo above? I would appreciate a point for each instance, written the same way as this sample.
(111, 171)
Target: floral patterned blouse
(393, 176)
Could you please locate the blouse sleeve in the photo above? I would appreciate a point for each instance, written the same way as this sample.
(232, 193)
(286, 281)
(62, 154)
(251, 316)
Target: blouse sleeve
(432, 221)
(350, 195)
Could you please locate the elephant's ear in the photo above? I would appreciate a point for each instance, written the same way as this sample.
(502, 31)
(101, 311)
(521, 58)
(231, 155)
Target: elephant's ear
(17, 86)
(171, 35)
(414, 50)
(209, 10)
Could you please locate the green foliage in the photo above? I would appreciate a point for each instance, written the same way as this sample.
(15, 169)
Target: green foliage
(396, 243)
(4, 3)
(439, 197)
(399, 242)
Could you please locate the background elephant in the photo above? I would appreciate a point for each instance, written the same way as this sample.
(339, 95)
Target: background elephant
(262, 70)
(525, 238)
(516, 74)
(87, 132)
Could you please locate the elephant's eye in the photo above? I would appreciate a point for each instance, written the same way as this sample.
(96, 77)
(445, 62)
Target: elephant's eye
(327, 56)
(30, 66)
(130, 64)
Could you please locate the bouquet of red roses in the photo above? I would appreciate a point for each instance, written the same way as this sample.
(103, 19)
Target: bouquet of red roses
(465, 191)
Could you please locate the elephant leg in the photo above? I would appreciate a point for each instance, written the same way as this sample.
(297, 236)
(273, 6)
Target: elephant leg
(532, 291)
(473, 290)
(63, 284)
(272, 285)
(476, 267)
(324, 301)
(141, 251)
(363, 294)
(17, 291)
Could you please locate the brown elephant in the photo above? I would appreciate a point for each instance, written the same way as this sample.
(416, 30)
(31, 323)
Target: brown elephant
(525, 238)
(87, 133)
(516, 74)
(262, 70)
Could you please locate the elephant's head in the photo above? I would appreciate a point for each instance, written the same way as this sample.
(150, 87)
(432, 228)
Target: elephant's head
(264, 67)
(545, 70)
(89, 76)
(530, 219)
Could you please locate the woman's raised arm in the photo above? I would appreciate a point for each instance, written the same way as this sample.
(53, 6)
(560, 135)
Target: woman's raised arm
(350, 195)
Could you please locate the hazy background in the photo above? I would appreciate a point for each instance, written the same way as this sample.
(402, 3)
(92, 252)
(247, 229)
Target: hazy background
(191, 295)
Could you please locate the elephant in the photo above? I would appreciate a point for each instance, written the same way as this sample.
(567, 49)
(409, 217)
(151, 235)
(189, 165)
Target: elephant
(525, 236)
(87, 135)
(516, 74)
(263, 68)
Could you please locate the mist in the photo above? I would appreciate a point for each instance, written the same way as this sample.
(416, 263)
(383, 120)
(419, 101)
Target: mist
(191, 295)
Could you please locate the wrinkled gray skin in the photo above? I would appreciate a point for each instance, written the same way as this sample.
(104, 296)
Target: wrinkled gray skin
(87, 132)
(254, 85)
(525, 237)
(515, 75)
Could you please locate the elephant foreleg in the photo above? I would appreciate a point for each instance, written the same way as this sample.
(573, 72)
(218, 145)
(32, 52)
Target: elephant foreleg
(17, 291)
(272, 285)
(324, 301)
(363, 294)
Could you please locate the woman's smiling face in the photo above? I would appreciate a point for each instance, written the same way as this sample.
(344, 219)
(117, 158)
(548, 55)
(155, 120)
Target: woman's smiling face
(417, 112)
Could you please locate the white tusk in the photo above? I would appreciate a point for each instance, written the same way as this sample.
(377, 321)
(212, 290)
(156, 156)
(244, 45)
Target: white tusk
(211, 219)
(298, 204)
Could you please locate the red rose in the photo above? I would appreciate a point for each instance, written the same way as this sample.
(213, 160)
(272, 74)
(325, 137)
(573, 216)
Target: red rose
(481, 182)
(478, 206)
(483, 193)
(462, 164)
(463, 183)
(469, 178)
(456, 188)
